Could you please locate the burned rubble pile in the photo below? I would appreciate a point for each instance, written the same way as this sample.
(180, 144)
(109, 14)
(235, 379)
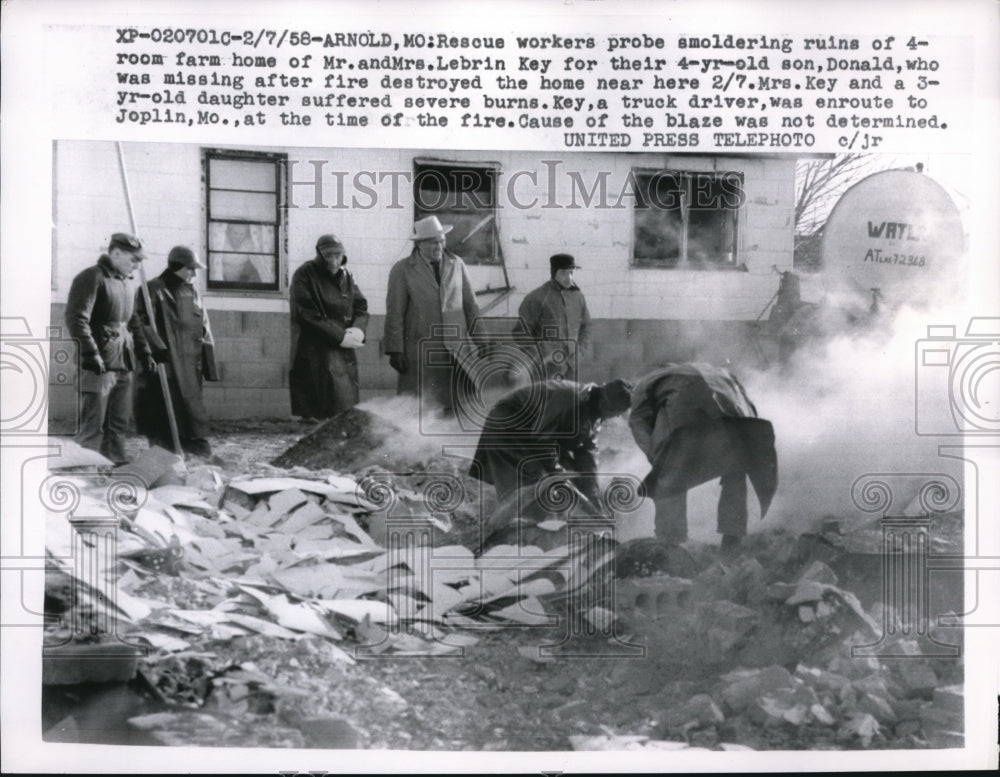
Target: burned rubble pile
(776, 643)
(349, 442)
(245, 610)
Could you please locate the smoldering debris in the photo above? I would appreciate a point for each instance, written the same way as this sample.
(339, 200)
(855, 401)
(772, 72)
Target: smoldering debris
(348, 442)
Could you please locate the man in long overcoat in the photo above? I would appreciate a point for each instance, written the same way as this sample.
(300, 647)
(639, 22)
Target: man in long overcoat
(556, 317)
(695, 422)
(100, 316)
(430, 308)
(181, 322)
(329, 320)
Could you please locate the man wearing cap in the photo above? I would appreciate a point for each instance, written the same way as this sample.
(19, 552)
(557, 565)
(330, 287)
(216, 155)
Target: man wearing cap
(695, 423)
(101, 317)
(546, 428)
(181, 321)
(329, 316)
(430, 300)
(555, 315)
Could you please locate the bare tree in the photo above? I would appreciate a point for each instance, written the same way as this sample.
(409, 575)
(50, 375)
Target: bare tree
(819, 183)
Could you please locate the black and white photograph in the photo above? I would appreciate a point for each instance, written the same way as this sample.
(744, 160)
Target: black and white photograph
(518, 387)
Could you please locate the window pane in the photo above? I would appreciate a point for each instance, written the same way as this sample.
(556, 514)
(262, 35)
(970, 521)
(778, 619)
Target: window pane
(246, 238)
(658, 237)
(242, 268)
(686, 220)
(243, 206)
(241, 174)
(707, 234)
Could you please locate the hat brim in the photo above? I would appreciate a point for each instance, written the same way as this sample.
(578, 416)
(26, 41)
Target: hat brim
(445, 229)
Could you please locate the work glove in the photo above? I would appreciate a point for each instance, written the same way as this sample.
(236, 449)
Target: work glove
(353, 338)
(398, 362)
(93, 363)
(150, 364)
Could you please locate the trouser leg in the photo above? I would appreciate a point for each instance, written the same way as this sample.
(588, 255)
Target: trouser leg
(116, 417)
(91, 433)
(733, 505)
(671, 518)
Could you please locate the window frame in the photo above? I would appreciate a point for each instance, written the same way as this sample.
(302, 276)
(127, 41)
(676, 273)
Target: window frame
(243, 288)
(490, 170)
(684, 262)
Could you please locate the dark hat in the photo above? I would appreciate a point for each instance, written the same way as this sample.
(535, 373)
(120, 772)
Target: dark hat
(182, 256)
(328, 241)
(127, 242)
(563, 262)
(614, 397)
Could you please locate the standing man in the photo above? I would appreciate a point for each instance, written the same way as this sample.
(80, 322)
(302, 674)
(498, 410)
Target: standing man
(182, 322)
(695, 422)
(100, 316)
(329, 318)
(430, 301)
(556, 316)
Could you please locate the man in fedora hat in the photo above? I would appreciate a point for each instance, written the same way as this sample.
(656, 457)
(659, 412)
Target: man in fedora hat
(101, 317)
(329, 318)
(181, 320)
(555, 315)
(430, 308)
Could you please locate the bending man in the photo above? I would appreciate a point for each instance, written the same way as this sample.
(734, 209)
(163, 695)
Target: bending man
(695, 422)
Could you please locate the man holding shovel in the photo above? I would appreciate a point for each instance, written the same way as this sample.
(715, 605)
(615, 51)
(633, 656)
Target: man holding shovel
(187, 353)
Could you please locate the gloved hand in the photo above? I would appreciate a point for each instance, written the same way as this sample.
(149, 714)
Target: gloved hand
(353, 338)
(93, 363)
(398, 362)
(150, 364)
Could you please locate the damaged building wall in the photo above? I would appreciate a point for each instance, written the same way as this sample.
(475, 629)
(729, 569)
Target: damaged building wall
(641, 315)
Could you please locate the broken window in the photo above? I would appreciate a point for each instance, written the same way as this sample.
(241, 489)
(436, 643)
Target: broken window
(686, 220)
(243, 210)
(463, 196)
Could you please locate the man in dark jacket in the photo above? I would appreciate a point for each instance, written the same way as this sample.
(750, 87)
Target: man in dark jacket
(329, 318)
(556, 316)
(100, 316)
(695, 422)
(181, 322)
(547, 428)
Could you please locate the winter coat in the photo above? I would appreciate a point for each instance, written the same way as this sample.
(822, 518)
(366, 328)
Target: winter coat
(695, 422)
(537, 430)
(182, 324)
(100, 316)
(558, 319)
(418, 308)
(323, 380)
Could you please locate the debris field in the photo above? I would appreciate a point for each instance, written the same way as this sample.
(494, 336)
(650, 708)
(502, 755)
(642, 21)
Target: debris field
(336, 598)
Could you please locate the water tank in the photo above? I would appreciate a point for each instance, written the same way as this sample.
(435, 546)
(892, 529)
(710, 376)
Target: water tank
(897, 231)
